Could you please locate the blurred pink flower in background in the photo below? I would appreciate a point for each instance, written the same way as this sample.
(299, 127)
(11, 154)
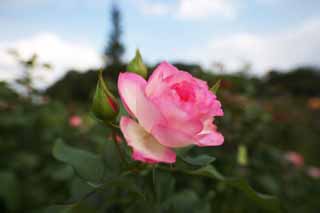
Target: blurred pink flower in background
(295, 158)
(173, 110)
(75, 121)
(313, 172)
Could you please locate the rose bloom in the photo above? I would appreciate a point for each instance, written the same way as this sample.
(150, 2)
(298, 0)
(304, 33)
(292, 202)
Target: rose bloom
(295, 158)
(314, 172)
(172, 109)
(75, 121)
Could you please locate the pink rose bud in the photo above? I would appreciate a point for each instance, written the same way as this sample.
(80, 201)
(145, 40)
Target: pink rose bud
(104, 106)
(137, 66)
(314, 172)
(173, 110)
(118, 139)
(75, 121)
(295, 158)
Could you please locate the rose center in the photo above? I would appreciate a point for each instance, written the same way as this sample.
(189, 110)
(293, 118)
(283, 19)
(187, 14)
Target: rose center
(185, 91)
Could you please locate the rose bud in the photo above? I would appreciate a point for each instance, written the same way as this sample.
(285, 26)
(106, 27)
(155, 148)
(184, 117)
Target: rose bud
(104, 106)
(137, 66)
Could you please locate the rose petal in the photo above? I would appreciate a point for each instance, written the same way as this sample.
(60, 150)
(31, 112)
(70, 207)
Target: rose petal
(209, 136)
(145, 146)
(130, 85)
(131, 88)
(213, 138)
(172, 137)
(176, 118)
(216, 108)
(162, 71)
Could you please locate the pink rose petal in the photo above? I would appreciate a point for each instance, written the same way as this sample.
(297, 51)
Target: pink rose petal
(131, 89)
(209, 136)
(145, 146)
(159, 74)
(172, 137)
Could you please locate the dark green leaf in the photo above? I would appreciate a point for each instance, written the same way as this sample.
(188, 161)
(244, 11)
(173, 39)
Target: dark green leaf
(9, 190)
(184, 202)
(79, 190)
(87, 165)
(81, 207)
(201, 160)
(183, 151)
(167, 180)
(267, 202)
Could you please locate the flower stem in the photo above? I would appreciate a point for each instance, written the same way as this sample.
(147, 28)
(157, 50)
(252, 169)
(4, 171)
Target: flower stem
(154, 189)
(114, 137)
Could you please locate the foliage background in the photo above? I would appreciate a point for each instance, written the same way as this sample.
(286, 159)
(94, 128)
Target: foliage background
(269, 116)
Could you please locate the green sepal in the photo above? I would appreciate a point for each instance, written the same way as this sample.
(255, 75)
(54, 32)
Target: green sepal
(137, 66)
(216, 87)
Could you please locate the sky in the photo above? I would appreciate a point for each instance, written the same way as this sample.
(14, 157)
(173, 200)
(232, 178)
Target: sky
(73, 33)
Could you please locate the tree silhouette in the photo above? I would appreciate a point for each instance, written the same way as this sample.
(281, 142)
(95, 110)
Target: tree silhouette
(115, 49)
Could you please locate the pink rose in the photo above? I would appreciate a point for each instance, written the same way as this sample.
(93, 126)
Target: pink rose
(75, 121)
(295, 158)
(173, 110)
(314, 172)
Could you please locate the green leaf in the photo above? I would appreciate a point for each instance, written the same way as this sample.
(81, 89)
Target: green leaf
(183, 151)
(87, 165)
(200, 160)
(167, 180)
(137, 65)
(79, 190)
(9, 190)
(216, 87)
(62, 173)
(182, 202)
(267, 202)
(81, 207)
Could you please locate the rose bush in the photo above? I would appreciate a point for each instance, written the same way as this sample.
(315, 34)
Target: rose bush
(173, 110)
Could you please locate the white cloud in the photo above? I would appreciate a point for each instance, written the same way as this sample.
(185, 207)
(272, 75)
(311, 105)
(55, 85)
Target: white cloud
(198, 9)
(154, 8)
(294, 47)
(189, 9)
(62, 54)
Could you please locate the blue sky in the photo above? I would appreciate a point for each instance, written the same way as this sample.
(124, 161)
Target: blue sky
(264, 33)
